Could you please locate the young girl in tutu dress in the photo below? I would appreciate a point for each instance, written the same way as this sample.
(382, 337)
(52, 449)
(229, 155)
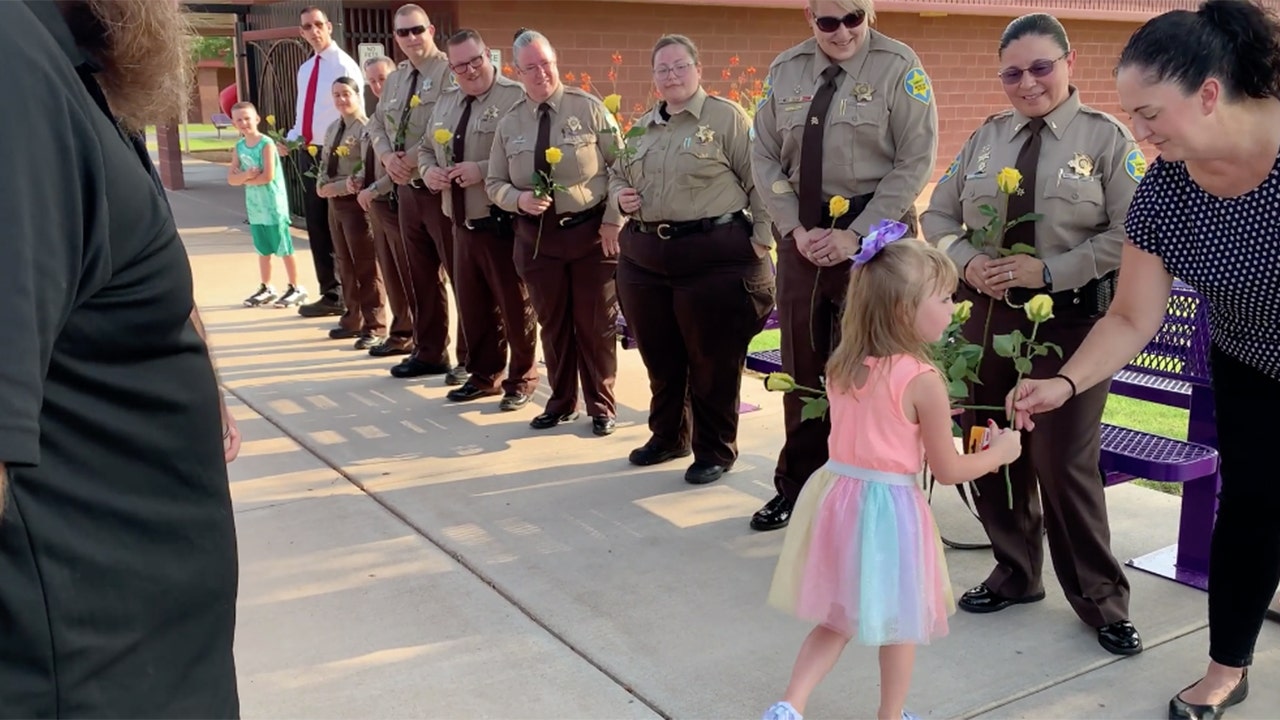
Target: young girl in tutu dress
(862, 557)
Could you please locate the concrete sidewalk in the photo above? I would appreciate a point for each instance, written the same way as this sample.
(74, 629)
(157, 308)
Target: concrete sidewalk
(403, 556)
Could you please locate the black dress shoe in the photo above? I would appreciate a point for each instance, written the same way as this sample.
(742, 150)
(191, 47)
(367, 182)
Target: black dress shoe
(1120, 638)
(341, 333)
(513, 401)
(1180, 709)
(982, 599)
(323, 307)
(548, 420)
(603, 425)
(774, 515)
(700, 473)
(413, 367)
(389, 348)
(649, 454)
(469, 392)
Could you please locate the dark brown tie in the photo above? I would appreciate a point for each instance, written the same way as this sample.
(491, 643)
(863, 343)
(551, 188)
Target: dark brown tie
(459, 195)
(1025, 202)
(369, 170)
(811, 202)
(540, 163)
(404, 111)
(332, 167)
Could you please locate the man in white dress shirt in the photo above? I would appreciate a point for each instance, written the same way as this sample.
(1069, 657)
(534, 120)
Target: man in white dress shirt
(315, 113)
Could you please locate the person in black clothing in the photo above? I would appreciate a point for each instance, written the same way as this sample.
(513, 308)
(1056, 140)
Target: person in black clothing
(118, 570)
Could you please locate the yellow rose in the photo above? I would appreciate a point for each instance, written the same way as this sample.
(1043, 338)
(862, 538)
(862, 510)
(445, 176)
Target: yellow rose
(554, 156)
(312, 150)
(415, 101)
(1039, 308)
(1008, 180)
(342, 151)
(613, 103)
(837, 207)
(271, 120)
(779, 382)
(962, 312)
(442, 136)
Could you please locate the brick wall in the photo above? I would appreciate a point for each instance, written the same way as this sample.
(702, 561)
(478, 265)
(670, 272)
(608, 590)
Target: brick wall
(958, 52)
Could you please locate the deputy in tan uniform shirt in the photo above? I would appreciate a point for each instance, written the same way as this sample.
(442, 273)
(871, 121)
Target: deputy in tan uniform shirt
(493, 303)
(849, 113)
(357, 264)
(566, 244)
(398, 131)
(693, 278)
(1079, 169)
(374, 193)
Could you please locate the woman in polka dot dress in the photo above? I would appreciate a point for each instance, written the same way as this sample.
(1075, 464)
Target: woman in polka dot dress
(1208, 213)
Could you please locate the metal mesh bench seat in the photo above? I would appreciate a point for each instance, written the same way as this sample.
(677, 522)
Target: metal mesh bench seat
(765, 361)
(1128, 453)
(1152, 388)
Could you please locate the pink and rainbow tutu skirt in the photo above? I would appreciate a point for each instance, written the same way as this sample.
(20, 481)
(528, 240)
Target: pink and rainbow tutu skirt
(862, 556)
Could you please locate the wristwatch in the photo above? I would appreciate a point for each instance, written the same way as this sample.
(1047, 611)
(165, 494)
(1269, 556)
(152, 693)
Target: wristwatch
(1048, 279)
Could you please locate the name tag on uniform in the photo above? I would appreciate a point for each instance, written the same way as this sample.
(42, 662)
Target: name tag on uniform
(797, 99)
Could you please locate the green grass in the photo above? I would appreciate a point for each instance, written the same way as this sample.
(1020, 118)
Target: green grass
(200, 144)
(1125, 412)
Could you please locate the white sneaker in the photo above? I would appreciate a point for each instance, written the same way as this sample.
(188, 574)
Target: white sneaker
(781, 711)
(293, 296)
(264, 295)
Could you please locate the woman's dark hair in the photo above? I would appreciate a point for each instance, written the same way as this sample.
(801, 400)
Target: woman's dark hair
(1035, 24)
(1236, 41)
(349, 82)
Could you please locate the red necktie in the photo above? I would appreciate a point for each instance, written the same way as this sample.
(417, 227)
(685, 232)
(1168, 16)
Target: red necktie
(309, 105)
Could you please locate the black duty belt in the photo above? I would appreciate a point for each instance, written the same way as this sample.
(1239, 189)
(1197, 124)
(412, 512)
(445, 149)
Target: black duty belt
(498, 221)
(1089, 300)
(569, 220)
(672, 230)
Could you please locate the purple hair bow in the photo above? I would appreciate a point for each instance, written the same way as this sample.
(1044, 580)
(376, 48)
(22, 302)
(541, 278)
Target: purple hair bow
(882, 233)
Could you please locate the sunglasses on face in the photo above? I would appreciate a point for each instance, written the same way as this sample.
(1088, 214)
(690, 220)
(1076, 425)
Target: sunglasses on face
(830, 24)
(1038, 69)
(473, 64)
(415, 30)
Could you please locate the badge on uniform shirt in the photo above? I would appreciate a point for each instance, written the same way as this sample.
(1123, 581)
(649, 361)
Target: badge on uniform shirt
(705, 134)
(518, 140)
(1135, 164)
(983, 157)
(1081, 165)
(573, 124)
(918, 87)
(951, 170)
(862, 92)
(490, 113)
(426, 85)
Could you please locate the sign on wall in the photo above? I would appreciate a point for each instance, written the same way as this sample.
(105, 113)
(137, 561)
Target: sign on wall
(369, 51)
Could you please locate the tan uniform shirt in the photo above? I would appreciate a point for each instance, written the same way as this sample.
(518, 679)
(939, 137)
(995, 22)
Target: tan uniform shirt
(586, 134)
(433, 79)
(486, 110)
(350, 139)
(881, 134)
(695, 165)
(1088, 170)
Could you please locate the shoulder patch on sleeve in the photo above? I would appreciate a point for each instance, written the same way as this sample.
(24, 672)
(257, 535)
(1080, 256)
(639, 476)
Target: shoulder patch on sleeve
(951, 170)
(917, 85)
(1135, 164)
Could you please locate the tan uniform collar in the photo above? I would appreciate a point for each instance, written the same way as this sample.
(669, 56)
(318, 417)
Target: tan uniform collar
(1057, 120)
(693, 107)
(429, 60)
(553, 101)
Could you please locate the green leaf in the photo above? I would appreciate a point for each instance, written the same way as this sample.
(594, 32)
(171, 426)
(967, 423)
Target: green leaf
(1022, 249)
(957, 389)
(635, 131)
(814, 408)
(1039, 350)
(1006, 345)
(988, 211)
(1057, 349)
(956, 430)
(970, 351)
(957, 369)
(1022, 365)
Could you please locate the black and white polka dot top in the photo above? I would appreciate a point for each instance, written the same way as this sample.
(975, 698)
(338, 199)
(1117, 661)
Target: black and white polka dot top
(1228, 249)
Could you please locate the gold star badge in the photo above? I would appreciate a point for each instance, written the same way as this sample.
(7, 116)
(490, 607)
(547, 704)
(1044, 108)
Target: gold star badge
(862, 92)
(1081, 165)
(705, 134)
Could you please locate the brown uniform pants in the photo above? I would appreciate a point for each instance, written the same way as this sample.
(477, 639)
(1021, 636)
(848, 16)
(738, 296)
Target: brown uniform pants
(493, 303)
(693, 304)
(428, 241)
(390, 250)
(357, 263)
(1062, 455)
(571, 285)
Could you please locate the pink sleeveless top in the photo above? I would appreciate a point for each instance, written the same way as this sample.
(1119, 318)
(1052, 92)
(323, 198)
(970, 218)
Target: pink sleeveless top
(868, 427)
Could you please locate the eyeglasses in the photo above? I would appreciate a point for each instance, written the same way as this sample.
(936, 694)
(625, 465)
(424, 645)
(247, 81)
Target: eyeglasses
(472, 64)
(677, 70)
(1039, 68)
(544, 66)
(828, 24)
(415, 30)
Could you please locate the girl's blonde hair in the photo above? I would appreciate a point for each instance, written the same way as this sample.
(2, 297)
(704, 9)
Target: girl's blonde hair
(879, 318)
